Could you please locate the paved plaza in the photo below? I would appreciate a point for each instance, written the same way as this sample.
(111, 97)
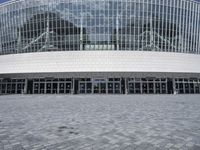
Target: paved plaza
(95, 122)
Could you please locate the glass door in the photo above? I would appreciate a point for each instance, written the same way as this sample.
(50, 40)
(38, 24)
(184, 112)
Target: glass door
(42, 88)
(68, 87)
(49, 88)
(61, 88)
(117, 87)
(96, 88)
(82, 88)
(102, 88)
(99, 86)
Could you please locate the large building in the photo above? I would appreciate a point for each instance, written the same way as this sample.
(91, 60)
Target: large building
(100, 46)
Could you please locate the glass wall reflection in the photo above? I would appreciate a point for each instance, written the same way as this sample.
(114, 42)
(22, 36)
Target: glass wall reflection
(74, 25)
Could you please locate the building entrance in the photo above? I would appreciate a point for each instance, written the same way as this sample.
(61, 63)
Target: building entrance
(100, 86)
(187, 86)
(12, 86)
(114, 86)
(52, 86)
(147, 86)
(85, 86)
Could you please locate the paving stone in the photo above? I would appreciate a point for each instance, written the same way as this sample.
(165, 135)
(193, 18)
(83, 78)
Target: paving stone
(93, 122)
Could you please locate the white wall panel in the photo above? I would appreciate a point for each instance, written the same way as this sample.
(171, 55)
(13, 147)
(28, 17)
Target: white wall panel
(99, 61)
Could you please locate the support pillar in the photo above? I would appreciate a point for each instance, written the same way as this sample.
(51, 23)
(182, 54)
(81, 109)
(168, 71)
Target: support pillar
(92, 79)
(6, 89)
(120, 83)
(126, 86)
(58, 87)
(107, 86)
(45, 87)
(154, 87)
(25, 86)
(184, 86)
(174, 86)
(73, 86)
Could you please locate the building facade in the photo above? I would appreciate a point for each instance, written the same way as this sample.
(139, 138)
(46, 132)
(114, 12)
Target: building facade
(100, 47)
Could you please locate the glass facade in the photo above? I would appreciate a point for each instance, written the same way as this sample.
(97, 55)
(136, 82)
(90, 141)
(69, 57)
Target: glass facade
(78, 25)
(100, 86)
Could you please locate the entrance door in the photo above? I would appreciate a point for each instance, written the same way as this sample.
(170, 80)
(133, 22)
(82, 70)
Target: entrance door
(89, 88)
(102, 88)
(68, 87)
(82, 88)
(164, 88)
(19, 88)
(131, 87)
(110, 88)
(55, 88)
(3, 88)
(9, 88)
(170, 86)
(49, 88)
(30, 87)
(158, 87)
(137, 88)
(192, 88)
(99, 87)
(96, 88)
(13, 88)
(144, 88)
(151, 88)
(187, 88)
(41, 88)
(85, 87)
(61, 88)
(117, 88)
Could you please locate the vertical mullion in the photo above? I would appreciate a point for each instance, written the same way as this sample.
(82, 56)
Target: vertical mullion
(163, 23)
(159, 25)
(189, 30)
(166, 25)
(68, 28)
(138, 21)
(130, 25)
(147, 23)
(175, 25)
(95, 25)
(194, 28)
(126, 25)
(99, 25)
(134, 26)
(142, 37)
(185, 26)
(198, 30)
(188, 27)
(180, 43)
(73, 27)
(174, 20)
